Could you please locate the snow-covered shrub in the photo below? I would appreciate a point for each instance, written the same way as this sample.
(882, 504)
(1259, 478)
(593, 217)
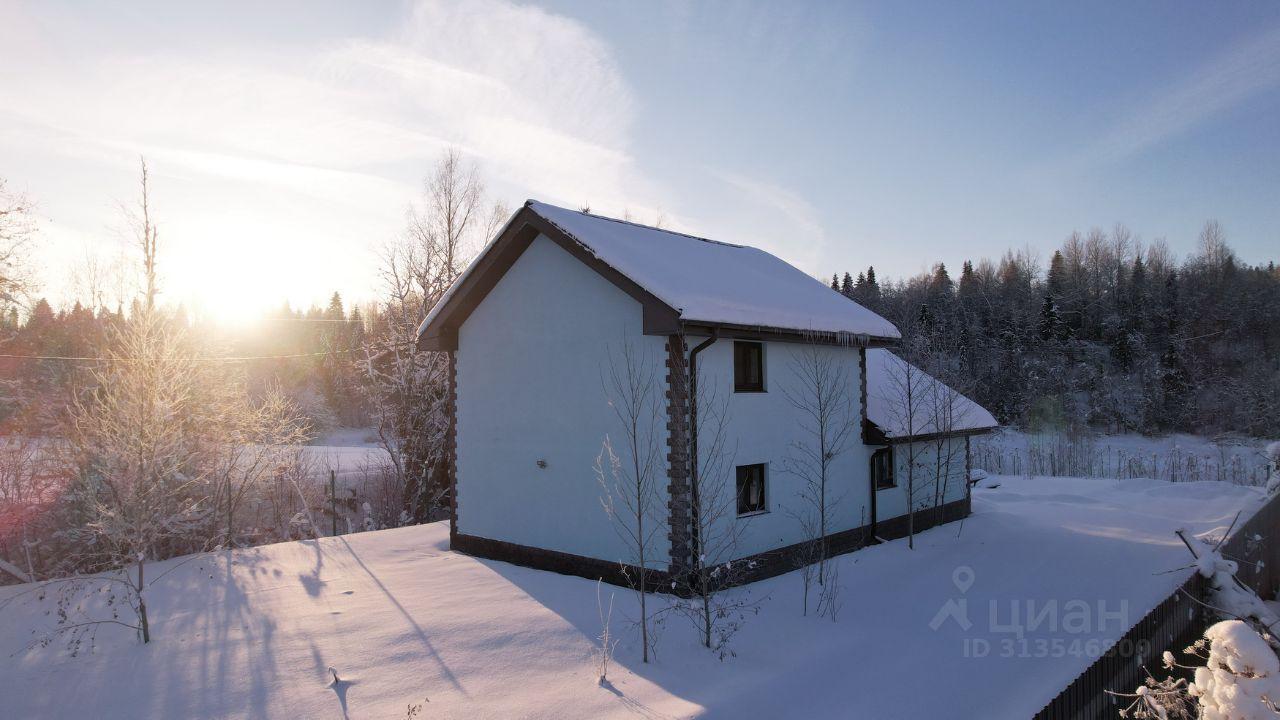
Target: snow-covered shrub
(977, 475)
(1240, 680)
(383, 492)
(1167, 699)
(1226, 593)
(1241, 676)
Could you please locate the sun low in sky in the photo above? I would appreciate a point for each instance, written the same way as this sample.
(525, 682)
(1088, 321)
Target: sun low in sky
(287, 140)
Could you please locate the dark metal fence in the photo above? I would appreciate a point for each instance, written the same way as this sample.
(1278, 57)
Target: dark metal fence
(1174, 624)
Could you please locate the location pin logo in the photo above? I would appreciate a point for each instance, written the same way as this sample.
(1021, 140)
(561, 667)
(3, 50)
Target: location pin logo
(963, 578)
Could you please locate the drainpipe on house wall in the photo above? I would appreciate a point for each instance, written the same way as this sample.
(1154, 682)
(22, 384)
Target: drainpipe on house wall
(695, 509)
(871, 478)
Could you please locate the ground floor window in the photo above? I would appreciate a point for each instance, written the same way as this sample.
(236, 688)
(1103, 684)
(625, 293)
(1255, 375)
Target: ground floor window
(882, 468)
(751, 489)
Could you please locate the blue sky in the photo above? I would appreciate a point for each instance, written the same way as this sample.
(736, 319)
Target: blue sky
(835, 135)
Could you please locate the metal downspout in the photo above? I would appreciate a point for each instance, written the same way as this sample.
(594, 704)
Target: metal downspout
(696, 506)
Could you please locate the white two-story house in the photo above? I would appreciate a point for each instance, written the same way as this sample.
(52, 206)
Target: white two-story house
(532, 329)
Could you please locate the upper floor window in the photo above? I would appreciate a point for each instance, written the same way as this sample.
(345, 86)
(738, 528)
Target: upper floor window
(748, 366)
(882, 468)
(751, 489)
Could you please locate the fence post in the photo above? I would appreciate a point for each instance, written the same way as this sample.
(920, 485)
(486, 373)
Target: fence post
(333, 500)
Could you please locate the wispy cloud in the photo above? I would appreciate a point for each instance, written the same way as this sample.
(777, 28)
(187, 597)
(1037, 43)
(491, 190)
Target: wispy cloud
(777, 219)
(346, 129)
(1239, 73)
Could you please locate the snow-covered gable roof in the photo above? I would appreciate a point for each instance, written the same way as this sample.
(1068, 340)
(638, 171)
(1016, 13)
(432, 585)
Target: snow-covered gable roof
(702, 281)
(936, 407)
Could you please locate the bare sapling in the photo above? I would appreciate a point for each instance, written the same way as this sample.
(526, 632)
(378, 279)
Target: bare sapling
(704, 589)
(824, 404)
(630, 472)
(906, 401)
(948, 411)
(605, 640)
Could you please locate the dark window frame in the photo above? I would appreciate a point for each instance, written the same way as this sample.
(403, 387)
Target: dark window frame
(743, 384)
(745, 510)
(878, 478)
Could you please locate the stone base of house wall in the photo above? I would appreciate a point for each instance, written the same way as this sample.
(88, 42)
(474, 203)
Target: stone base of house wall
(786, 559)
(451, 439)
(761, 566)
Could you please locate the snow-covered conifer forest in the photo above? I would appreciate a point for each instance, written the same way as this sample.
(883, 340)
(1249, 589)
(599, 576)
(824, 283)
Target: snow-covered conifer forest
(1103, 332)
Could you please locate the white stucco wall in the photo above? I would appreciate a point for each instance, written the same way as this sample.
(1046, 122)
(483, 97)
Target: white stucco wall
(939, 468)
(530, 361)
(761, 428)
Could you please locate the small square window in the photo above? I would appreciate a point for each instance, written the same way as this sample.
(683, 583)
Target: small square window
(751, 497)
(748, 366)
(882, 468)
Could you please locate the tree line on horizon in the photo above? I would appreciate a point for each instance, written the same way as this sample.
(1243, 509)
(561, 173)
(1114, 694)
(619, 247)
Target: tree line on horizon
(1111, 336)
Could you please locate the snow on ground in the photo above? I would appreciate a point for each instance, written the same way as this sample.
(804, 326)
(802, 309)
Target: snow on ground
(346, 451)
(1176, 458)
(250, 633)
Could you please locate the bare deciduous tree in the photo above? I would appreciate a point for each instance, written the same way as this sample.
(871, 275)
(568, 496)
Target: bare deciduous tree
(17, 230)
(138, 451)
(164, 435)
(406, 388)
(146, 236)
(256, 440)
(27, 488)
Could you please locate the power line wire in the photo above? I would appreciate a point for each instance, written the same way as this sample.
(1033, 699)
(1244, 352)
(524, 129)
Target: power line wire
(243, 358)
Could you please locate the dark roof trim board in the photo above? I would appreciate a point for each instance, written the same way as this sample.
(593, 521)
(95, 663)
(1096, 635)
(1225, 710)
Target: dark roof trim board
(440, 330)
(876, 436)
(515, 238)
(755, 332)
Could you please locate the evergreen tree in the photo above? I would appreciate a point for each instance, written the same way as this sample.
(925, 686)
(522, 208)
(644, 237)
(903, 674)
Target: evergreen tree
(41, 316)
(1176, 389)
(941, 280)
(846, 286)
(1057, 277)
(924, 319)
(1138, 295)
(334, 311)
(1050, 323)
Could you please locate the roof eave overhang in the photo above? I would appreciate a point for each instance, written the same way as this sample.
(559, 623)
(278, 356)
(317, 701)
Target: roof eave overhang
(761, 332)
(441, 334)
(924, 437)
